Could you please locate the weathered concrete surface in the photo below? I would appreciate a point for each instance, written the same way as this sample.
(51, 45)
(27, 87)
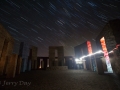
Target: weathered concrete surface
(61, 80)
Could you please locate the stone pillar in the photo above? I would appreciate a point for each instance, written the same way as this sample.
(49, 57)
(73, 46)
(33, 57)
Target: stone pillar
(35, 64)
(24, 65)
(34, 57)
(91, 68)
(5, 49)
(51, 56)
(55, 63)
(104, 64)
(99, 65)
(32, 64)
(47, 62)
(2, 64)
(60, 56)
(84, 65)
(2, 39)
(11, 68)
(28, 65)
(19, 62)
(42, 64)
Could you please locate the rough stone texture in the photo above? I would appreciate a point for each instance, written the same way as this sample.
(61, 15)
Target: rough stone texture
(111, 33)
(61, 80)
(57, 68)
(34, 57)
(60, 61)
(11, 68)
(19, 62)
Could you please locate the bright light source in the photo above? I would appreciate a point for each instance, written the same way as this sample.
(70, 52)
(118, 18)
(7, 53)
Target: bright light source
(76, 59)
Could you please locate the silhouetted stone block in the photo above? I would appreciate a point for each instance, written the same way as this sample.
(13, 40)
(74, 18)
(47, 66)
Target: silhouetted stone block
(34, 57)
(19, 62)
(24, 65)
(11, 68)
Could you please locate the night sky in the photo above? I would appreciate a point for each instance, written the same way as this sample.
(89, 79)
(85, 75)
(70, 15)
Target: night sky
(67, 23)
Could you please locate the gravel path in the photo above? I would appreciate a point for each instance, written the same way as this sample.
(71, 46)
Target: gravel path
(59, 80)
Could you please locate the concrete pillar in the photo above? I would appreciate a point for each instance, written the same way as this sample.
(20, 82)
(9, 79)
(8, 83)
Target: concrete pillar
(11, 68)
(84, 65)
(99, 65)
(2, 64)
(19, 62)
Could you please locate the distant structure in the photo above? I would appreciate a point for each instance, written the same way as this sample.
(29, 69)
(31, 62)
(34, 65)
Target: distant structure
(59, 63)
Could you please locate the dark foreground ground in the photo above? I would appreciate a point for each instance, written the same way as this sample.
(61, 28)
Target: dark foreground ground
(59, 80)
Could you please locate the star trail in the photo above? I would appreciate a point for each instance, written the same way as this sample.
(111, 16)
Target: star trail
(45, 23)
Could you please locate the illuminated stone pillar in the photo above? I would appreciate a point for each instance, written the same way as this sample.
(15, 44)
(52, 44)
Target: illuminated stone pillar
(19, 62)
(11, 68)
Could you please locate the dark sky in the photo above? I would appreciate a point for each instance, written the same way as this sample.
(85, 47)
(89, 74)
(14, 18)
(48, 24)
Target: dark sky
(67, 23)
